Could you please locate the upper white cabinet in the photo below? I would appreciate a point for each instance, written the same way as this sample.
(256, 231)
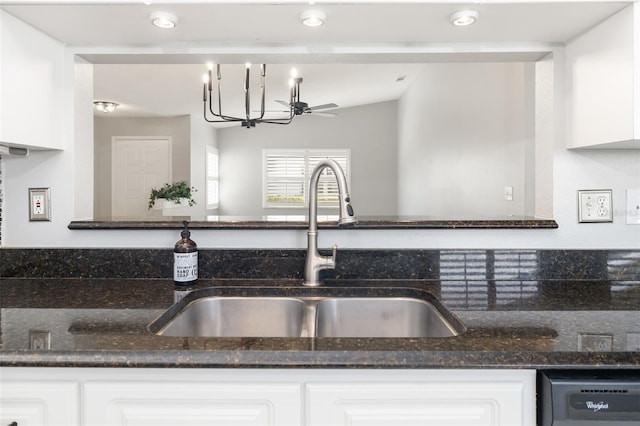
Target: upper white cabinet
(32, 86)
(603, 83)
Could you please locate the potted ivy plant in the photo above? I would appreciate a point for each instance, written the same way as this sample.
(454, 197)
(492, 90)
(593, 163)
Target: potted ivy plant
(173, 194)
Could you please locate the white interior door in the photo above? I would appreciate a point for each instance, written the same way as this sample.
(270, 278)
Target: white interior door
(138, 164)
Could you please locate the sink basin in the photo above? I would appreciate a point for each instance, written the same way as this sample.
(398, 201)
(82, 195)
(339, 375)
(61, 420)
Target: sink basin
(380, 317)
(307, 312)
(238, 317)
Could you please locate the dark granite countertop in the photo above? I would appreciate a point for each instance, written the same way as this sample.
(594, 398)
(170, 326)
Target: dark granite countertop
(510, 324)
(294, 222)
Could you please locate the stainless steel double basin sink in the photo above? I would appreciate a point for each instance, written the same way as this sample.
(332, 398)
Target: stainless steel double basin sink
(307, 312)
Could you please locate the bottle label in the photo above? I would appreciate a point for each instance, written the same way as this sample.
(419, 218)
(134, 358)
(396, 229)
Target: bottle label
(185, 267)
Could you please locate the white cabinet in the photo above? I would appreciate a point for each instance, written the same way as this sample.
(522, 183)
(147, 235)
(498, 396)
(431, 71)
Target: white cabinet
(603, 78)
(33, 88)
(218, 401)
(149, 397)
(38, 402)
(292, 397)
(417, 398)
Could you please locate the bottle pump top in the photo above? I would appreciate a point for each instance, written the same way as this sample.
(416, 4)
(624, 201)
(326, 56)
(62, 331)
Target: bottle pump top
(185, 232)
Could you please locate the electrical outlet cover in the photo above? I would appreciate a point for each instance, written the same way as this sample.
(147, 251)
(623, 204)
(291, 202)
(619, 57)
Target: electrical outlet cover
(595, 206)
(40, 340)
(595, 342)
(39, 204)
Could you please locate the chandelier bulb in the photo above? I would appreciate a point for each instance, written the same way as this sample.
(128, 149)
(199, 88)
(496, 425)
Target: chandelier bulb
(247, 121)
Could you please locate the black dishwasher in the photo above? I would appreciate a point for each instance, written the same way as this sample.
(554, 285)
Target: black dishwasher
(588, 398)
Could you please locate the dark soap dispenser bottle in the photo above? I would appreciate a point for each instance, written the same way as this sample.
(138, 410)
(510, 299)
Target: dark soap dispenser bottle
(185, 259)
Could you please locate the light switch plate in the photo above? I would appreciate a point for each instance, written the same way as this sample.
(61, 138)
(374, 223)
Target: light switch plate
(39, 204)
(633, 206)
(595, 206)
(508, 193)
(633, 342)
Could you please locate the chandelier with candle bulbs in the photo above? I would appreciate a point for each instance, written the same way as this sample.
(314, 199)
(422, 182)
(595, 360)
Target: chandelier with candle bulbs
(295, 106)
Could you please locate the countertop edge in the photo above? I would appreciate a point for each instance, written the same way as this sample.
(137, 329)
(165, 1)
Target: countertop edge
(324, 359)
(362, 224)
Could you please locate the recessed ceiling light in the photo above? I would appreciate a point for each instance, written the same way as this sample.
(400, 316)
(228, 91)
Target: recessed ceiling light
(463, 18)
(163, 20)
(105, 106)
(313, 18)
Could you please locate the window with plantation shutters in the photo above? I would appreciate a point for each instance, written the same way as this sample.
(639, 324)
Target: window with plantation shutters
(212, 182)
(287, 174)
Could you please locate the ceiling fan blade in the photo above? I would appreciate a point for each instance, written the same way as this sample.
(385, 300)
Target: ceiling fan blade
(283, 103)
(324, 106)
(324, 114)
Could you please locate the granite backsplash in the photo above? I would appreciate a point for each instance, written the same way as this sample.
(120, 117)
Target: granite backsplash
(610, 265)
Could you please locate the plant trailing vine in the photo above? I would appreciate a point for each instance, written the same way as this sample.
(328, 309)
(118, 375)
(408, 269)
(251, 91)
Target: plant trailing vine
(173, 192)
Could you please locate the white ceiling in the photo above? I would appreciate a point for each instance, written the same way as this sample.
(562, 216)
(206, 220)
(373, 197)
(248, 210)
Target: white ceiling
(175, 89)
(354, 59)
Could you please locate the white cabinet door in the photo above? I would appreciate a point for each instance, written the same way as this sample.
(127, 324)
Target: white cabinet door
(39, 403)
(456, 398)
(158, 403)
(603, 76)
(33, 89)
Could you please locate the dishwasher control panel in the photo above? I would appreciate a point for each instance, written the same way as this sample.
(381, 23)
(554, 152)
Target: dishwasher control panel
(574, 398)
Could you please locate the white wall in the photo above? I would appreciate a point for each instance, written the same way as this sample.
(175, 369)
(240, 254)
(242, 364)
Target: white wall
(464, 130)
(572, 170)
(51, 169)
(544, 137)
(83, 146)
(2, 223)
(369, 131)
(202, 135)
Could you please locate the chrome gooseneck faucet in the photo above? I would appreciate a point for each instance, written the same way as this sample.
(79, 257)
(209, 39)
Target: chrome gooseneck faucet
(315, 261)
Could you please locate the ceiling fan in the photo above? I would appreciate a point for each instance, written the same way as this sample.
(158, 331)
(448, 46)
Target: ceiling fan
(297, 107)
(300, 108)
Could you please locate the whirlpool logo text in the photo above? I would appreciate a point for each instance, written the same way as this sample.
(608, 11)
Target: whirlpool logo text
(597, 406)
